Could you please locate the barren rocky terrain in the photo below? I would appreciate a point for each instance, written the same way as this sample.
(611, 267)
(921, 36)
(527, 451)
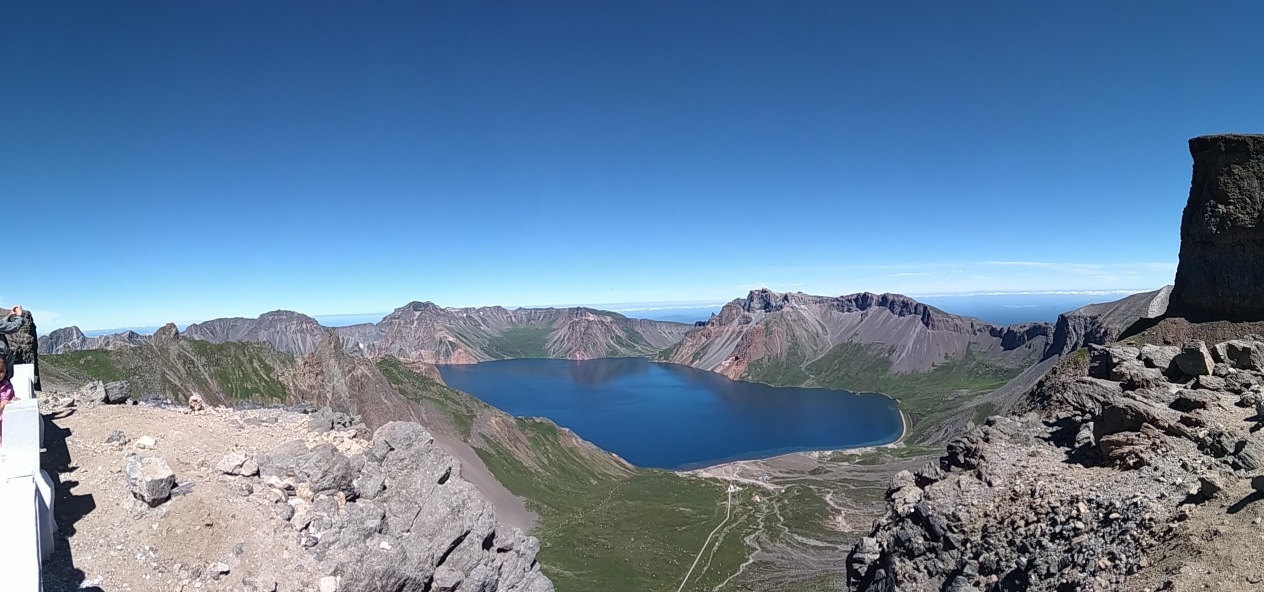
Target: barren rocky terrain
(265, 500)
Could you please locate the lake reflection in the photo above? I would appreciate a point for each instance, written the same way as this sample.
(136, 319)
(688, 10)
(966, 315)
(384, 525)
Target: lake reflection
(670, 416)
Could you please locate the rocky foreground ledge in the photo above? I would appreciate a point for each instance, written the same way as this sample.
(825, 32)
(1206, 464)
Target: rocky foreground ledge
(1137, 469)
(163, 498)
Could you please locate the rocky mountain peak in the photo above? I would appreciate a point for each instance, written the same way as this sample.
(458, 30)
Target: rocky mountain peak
(166, 334)
(1221, 270)
(764, 300)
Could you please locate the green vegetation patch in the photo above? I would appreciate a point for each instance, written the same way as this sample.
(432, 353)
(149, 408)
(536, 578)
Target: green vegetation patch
(459, 408)
(85, 365)
(240, 369)
(519, 342)
(857, 367)
(634, 530)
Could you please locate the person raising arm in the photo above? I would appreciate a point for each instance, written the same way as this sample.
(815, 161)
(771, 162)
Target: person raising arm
(9, 324)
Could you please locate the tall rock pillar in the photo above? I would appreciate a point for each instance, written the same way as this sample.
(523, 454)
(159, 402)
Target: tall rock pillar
(1221, 270)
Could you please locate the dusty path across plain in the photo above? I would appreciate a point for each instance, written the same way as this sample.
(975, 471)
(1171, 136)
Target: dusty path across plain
(728, 513)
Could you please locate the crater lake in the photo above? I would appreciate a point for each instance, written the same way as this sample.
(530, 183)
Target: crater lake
(677, 417)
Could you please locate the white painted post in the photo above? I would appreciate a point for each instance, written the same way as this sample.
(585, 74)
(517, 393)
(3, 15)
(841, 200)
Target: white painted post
(20, 545)
(23, 381)
(20, 445)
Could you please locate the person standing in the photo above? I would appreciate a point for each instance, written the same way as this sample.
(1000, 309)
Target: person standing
(11, 323)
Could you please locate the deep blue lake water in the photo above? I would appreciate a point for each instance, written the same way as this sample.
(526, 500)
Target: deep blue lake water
(677, 417)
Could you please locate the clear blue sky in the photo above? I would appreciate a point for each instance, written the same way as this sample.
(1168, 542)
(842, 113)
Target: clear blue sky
(179, 161)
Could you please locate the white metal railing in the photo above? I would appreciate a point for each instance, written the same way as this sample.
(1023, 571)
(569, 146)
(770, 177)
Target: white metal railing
(26, 491)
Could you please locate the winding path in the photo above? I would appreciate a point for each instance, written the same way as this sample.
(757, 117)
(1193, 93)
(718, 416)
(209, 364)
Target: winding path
(728, 513)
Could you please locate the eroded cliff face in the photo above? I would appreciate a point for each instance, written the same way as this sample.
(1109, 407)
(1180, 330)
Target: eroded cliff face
(1221, 270)
(289, 332)
(797, 329)
(1099, 324)
(424, 332)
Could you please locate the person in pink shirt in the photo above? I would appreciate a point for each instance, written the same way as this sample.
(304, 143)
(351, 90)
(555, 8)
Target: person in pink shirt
(6, 395)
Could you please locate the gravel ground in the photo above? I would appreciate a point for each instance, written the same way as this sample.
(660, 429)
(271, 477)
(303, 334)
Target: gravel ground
(219, 535)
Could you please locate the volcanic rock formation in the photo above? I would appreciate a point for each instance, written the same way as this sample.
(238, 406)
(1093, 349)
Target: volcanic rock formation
(797, 329)
(1221, 271)
(1099, 324)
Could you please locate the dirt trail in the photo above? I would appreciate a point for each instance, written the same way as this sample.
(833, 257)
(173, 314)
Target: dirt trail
(728, 513)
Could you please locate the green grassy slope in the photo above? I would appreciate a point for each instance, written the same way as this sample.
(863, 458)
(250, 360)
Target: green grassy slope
(929, 396)
(229, 372)
(635, 531)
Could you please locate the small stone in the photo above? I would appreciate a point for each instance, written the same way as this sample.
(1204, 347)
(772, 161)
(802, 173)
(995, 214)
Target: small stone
(329, 584)
(116, 437)
(238, 463)
(245, 489)
(283, 511)
(1257, 483)
(146, 443)
(1210, 486)
(219, 570)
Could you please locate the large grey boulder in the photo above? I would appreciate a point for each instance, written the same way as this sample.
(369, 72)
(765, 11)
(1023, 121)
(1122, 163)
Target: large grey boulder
(1104, 361)
(323, 468)
(1159, 356)
(117, 392)
(1195, 359)
(149, 479)
(1221, 271)
(1240, 353)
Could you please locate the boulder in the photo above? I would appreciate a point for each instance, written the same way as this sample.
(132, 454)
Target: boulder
(1104, 360)
(324, 469)
(1209, 486)
(1194, 359)
(1159, 356)
(1135, 375)
(1210, 383)
(117, 392)
(149, 479)
(1240, 353)
(1188, 400)
(1219, 276)
(1249, 456)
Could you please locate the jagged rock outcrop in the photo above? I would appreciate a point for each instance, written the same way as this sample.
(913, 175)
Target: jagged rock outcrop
(1221, 270)
(24, 345)
(1057, 497)
(796, 329)
(63, 340)
(1099, 324)
(399, 517)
